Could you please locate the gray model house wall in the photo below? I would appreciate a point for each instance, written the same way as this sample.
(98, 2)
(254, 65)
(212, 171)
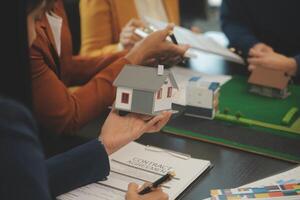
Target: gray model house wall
(144, 90)
(146, 97)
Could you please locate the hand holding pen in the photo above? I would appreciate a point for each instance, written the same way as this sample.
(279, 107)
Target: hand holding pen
(152, 191)
(144, 32)
(157, 183)
(133, 194)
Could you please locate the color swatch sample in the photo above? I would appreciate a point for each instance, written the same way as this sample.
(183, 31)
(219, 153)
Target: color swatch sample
(274, 191)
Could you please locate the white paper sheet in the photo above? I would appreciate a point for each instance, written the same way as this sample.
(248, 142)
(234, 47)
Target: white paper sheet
(273, 180)
(197, 41)
(93, 191)
(138, 163)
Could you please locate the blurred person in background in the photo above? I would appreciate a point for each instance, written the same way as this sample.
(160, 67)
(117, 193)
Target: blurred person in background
(266, 32)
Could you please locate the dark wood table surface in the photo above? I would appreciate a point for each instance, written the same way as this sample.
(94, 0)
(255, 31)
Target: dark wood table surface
(231, 168)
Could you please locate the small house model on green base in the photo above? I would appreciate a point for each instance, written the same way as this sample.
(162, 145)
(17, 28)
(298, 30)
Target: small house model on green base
(144, 90)
(269, 82)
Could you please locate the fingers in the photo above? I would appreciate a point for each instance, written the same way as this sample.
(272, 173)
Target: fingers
(174, 50)
(251, 67)
(132, 192)
(255, 61)
(196, 29)
(150, 126)
(172, 54)
(143, 117)
(144, 186)
(256, 53)
(129, 33)
(128, 30)
(152, 62)
(165, 32)
(157, 194)
(129, 39)
(262, 47)
(160, 124)
(181, 49)
(172, 61)
(136, 23)
(157, 123)
(133, 187)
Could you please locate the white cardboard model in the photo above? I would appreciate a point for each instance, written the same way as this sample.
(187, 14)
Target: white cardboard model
(202, 98)
(144, 90)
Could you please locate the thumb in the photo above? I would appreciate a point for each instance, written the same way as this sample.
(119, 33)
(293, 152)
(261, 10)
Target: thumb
(166, 32)
(182, 49)
(133, 188)
(154, 120)
(156, 194)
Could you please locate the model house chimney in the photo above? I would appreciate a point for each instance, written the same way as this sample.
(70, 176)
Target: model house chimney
(160, 70)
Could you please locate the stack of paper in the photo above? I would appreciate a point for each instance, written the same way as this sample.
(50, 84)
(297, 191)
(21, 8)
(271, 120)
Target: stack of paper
(198, 42)
(283, 186)
(138, 163)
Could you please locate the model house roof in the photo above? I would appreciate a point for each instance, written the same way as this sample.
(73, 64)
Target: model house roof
(143, 78)
(269, 78)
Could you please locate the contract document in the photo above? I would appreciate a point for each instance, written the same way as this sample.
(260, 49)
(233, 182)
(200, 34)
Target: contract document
(139, 164)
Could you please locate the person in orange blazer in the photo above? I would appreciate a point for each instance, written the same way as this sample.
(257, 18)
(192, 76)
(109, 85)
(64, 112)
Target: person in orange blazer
(110, 17)
(54, 69)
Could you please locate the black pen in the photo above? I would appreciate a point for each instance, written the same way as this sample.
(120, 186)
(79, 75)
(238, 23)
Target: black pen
(173, 38)
(158, 182)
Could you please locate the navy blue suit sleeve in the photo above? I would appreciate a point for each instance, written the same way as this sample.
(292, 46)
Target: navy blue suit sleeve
(22, 170)
(80, 166)
(236, 27)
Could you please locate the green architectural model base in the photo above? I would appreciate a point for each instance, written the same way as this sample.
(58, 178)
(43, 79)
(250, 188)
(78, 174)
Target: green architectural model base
(237, 105)
(290, 116)
(277, 122)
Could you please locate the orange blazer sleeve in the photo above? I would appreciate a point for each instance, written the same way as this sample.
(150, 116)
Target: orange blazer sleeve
(75, 70)
(78, 70)
(60, 111)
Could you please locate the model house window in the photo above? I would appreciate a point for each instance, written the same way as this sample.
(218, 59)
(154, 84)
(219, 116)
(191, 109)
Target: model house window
(169, 92)
(159, 94)
(125, 98)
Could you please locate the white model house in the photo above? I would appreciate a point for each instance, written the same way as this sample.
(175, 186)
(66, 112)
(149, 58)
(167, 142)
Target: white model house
(202, 98)
(144, 90)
